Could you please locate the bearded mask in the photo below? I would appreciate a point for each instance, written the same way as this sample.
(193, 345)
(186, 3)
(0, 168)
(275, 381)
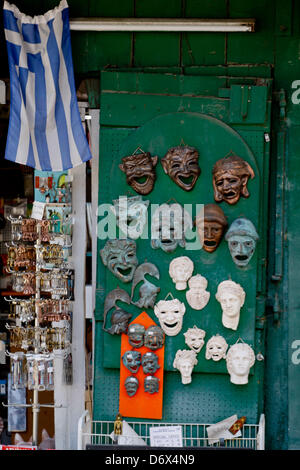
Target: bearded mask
(150, 363)
(181, 164)
(140, 171)
(241, 237)
(151, 384)
(120, 258)
(211, 226)
(154, 338)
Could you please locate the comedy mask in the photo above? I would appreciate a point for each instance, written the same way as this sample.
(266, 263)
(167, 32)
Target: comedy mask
(154, 338)
(231, 297)
(135, 334)
(210, 226)
(184, 361)
(194, 338)
(197, 296)
(132, 361)
(140, 171)
(150, 363)
(230, 178)
(131, 385)
(240, 358)
(151, 384)
(180, 270)
(181, 164)
(131, 215)
(147, 290)
(241, 237)
(170, 315)
(216, 348)
(120, 258)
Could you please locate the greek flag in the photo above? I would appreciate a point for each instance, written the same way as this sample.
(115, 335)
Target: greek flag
(45, 129)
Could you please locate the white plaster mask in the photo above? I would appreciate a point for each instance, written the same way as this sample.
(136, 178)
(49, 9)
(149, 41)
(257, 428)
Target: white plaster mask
(231, 297)
(180, 270)
(194, 338)
(216, 348)
(131, 215)
(170, 315)
(197, 296)
(184, 361)
(240, 358)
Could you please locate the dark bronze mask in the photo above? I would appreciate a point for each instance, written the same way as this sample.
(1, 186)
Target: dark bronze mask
(119, 318)
(211, 229)
(147, 290)
(154, 338)
(151, 384)
(120, 258)
(181, 164)
(140, 171)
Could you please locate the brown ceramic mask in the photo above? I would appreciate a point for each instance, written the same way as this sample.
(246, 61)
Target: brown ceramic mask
(230, 178)
(181, 164)
(211, 230)
(140, 171)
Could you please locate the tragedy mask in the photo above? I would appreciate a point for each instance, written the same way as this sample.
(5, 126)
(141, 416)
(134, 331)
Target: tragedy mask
(197, 295)
(151, 384)
(132, 361)
(181, 164)
(140, 171)
(216, 348)
(231, 297)
(147, 290)
(184, 361)
(131, 215)
(170, 315)
(194, 338)
(120, 258)
(211, 224)
(230, 178)
(135, 334)
(239, 360)
(154, 337)
(131, 385)
(241, 237)
(180, 270)
(150, 363)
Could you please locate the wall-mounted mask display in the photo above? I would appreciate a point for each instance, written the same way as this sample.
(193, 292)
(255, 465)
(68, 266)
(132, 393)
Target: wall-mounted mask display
(169, 224)
(240, 358)
(194, 338)
(184, 361)
(181, 164)
(132, 361)
(197, 296)
(230, 178)
(151, 384)
(210, 227)
(231, 297)
(119, 318)
(120, 258)
(147, 291)
(154, 337)
(216, 348)
(180, 270)
(140, 171)
(170, 315)
(150, 363)
(241, 237)
(131, 385)
(131, 215)
(135, 334)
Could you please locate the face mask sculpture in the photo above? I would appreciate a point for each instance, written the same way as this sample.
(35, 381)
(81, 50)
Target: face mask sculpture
(170, 315)
(240, 358)
(140, 171)
(197, 296)
(181, 164)
(120, 258)
(131, 385)
(231, 297)
(180, 270)
(168, 226)
(241, 237)
(151, 384)
(131, 215)
(210, 226)
(230, 178)
(216, 348)
(184, 361)
(154, 338)
(135, 334)
(194, 338)
(132, 361)
(150, 363)
(119, 318)
(147, 291)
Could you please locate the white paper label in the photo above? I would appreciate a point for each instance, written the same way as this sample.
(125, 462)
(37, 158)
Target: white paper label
(166, 436)
(38, 210)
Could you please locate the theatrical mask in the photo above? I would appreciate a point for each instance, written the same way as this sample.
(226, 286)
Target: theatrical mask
(131, 215)
(120, 258)
(169, 224)
(230, 178)
(181, 164)
(132, 361)
(240, 358)
(147, 291)
(241, 237)
(154, 337)
(231, 297)
(131, 385)
(180, 270)
(170, 315)
(140, 171)
(210, 227)
(184, 361)
(216, 348)
(119, 318)
(135, 334)
(151, 384)
(150, 363)
(194, 338)
(197, 296)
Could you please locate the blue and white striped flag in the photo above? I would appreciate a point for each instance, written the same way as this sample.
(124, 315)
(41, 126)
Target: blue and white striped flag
(45, 129)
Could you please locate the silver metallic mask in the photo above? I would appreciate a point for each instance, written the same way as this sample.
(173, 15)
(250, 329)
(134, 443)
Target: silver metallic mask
(150, 363)
(151, 384)
(132, 361)
(136, 335)
(154, 338)
(131, 385)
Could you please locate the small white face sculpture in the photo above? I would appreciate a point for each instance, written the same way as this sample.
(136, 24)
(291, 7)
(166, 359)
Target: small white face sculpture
(231, 297)
(180, 271)
(240, 358)
(170, 315)
(194, 338)
(216, 348)
(197, 296)
(184, 361)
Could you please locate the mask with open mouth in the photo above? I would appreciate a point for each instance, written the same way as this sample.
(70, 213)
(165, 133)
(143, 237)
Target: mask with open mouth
(140, 171)
(150, 363)
(132, 361)
(181, 164)
(154, 337)
(131, 215)
(210, 226)
(241, 237)
(131, 385)
(151, 384)
(120, 258)
(136, 335)
(170, 315)
(216, 348)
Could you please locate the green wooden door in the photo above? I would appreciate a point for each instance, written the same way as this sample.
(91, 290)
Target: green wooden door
(217, 115)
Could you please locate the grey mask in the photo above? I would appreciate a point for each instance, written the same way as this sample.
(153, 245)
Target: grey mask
(241, 237)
